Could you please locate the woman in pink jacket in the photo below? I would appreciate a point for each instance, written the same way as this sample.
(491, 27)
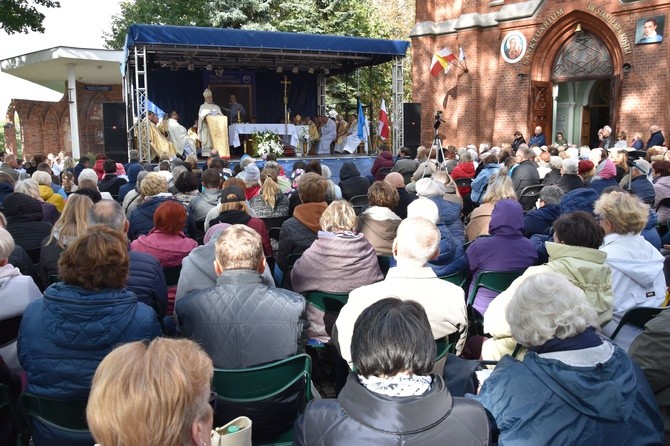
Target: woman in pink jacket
(166, 241)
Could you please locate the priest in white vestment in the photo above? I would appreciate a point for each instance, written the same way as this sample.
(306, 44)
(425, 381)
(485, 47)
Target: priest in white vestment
(352, 140)
(328, 135)
(207, 108)
(179, 136)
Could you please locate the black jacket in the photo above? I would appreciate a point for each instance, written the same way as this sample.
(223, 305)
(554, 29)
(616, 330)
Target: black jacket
(570, 182)
(361, 417)
(351, 181)
(24, 215)
(111, 183)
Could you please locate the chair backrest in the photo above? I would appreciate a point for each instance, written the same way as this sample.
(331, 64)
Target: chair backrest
(330, 303)
(384, 264)
(407, 177)
(6, 400)
(359, 203)
(529, 195)
(493, 280)
(446, 345)
(9, 329)
(66, 415)
(292, 258)
(638, 316)
(172, 275)
(381, 173)
(458, 278)
(463, 182)
(663, 203)
(274, 222)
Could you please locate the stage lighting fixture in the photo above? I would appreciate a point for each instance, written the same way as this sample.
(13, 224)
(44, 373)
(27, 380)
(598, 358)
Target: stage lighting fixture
(326, 71)
(191, 67)
(219, 72)
(279, 69)
(295, 70)
(209, 67)
(311, 71)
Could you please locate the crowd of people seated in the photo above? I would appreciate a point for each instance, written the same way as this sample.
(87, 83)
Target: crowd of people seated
(120, 279)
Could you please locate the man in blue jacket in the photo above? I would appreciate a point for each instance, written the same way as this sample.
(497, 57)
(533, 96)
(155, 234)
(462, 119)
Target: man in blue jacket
(656, 138)
(538, 138)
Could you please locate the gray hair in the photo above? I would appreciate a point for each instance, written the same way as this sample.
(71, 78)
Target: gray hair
(325, 171)
(571, 166)
(177, 171)
(42, 178)
(548, 306)
(556, 162)
(246, 161)
(107, 213)
(28, 187)
(88, 174)
(416, 241)
(551, 194)
(6, 244)
(134, 155)
(424, 208)
(526, 153)
(140, 177)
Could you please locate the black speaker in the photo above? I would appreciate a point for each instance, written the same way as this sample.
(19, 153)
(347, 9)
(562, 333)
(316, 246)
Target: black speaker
(412, 125)
(114, 122)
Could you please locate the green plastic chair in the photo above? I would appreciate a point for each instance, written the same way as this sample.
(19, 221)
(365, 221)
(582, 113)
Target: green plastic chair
(328, 302)
(493, 280)
(446, 345)
(65, 415)
(638, 317)
(6, 400)
(264, 382)
(458, 278)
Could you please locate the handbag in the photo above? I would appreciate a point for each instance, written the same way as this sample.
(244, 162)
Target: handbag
(234, 433)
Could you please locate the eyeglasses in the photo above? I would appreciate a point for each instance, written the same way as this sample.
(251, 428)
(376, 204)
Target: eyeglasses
(213, 398)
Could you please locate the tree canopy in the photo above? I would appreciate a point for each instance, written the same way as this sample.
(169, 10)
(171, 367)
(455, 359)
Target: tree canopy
(21, 16)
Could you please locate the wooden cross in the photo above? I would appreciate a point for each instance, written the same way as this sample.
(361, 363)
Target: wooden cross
(286, 84)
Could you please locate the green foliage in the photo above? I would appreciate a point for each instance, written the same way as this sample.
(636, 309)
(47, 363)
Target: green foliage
(21, 16)
(153, 12)
(247, 14)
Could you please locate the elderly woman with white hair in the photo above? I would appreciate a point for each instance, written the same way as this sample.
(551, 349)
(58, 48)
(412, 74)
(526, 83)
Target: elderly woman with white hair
(570, 179)
(46, 192)
(16, 292)
(572, 387)
(30, 187)
(90, 174)
(552, 177)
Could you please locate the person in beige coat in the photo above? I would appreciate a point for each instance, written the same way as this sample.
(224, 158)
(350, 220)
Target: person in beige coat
(416, 243)
(575, 254)
(500, 187)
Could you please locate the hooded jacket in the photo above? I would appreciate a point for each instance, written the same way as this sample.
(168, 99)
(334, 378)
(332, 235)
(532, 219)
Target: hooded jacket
(505, 250)
(604, 177)
(83, 326)
(359, 416)
(464, 170)
(451, 258)
(637, 274)
(133, 171)
(379, 226)
(384, 159)
(450, 216)
(481, 182)
(24, 223)
(47, 194)
(543, 401)
(299, 232)
(643, 188)
(351, 181)
(539, 221)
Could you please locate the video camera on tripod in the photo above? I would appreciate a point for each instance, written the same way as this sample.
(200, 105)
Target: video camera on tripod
(438, 120)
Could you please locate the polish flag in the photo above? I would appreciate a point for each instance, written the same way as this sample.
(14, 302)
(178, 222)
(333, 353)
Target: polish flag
(383, 121)
(441, 61)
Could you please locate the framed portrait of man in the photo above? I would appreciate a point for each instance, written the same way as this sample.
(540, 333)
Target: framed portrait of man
(649, 30)
(513, 47)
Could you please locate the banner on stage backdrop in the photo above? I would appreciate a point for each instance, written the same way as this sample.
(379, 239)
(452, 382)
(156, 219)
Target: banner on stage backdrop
(242, 84)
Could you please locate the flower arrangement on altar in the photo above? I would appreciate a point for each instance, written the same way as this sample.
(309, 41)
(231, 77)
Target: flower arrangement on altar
(304, 133)
(268, 142)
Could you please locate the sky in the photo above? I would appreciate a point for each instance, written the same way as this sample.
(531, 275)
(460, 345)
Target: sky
(77, 23)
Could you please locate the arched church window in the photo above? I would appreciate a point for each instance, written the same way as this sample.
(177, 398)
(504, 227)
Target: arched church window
(583, 56)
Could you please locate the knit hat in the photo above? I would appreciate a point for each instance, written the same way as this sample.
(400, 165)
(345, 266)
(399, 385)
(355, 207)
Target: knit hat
(250, 174)
(395, 179)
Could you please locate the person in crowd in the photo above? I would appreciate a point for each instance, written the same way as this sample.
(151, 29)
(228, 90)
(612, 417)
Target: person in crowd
(450, 258)
(91, 175)
(294, 197)
(637, 267)
(656, 138)
(10, 166)
(378, 223)
(67, 181)
(334, 191)
(395, 180)
(499, 188)
(111, 182)
(351, 181)
(605, 175)
(251, 176)
(47, 194)
(123, 409)
(204, 201)
(89, 313)
(30, 187)
(525, 173)
(16, 292)
(518, 140)
(197, 271)
(405, 165)
(572, 384)
(639, 182)
(98, 167)
(570, 179)
(133, 197)
(539, 221)
(384, 160)
(216, 210)
(299, 232)
(479, 185)
(241, 322)
(450, 212)
(338, 261)
(537, 140)
(235, 210)
(187, 185)
(393, 353)
(427, 165)
(620, 159)
(133, 172)
(552, 177)
(89, 189)
(73, 223)
(134, 155)
(270, 201)
(416, 243)
(661, 175)
(451, 192)
(464, 170)
(6, 185)
(166, 241)
(154, 190)
(24, 222)
(650, 351)
(9, 431)
(82, 164)
(505, 250)
(637, 142)
(560, 139)
(575, 254)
